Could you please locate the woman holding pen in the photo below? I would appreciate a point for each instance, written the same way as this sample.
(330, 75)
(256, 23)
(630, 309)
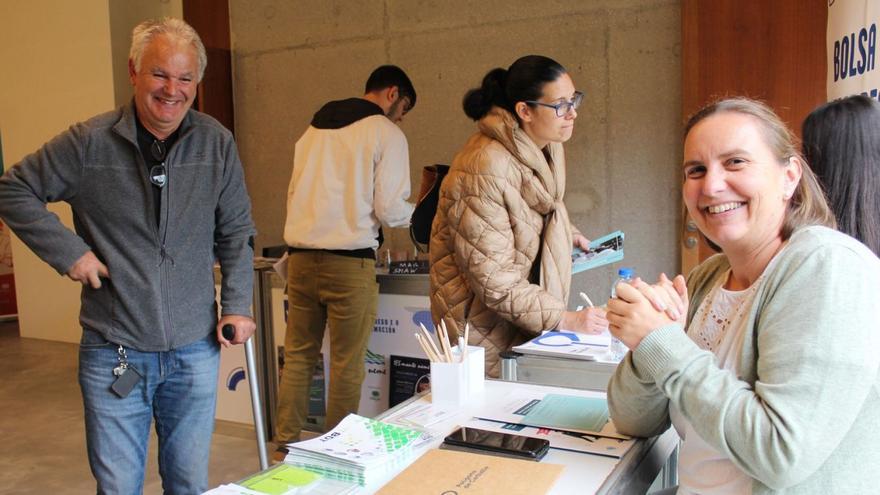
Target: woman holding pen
(501, 241)
(773, 384)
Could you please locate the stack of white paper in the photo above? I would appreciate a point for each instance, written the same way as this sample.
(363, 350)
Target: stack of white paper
(567, 344)
(573, 413)
(422, 415)
(359, 449)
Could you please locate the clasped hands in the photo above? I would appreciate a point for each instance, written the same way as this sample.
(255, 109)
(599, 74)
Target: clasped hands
(640, 308)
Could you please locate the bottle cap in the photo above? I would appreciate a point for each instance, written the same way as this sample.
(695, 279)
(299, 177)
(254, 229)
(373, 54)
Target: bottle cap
(625, 272)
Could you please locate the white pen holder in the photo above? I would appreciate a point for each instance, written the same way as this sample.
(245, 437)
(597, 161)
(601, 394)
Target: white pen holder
(454, 383)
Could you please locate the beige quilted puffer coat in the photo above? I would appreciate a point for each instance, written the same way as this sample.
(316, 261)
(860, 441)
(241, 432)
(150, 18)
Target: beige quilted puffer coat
(501, 240)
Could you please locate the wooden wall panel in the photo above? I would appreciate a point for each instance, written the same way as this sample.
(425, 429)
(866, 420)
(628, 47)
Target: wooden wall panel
(210, 18)
(772, 50)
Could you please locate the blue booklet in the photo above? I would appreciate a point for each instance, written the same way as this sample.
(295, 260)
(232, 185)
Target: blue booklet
(604, 250)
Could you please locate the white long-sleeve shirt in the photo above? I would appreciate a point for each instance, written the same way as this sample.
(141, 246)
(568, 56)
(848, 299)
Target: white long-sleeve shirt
(346, 182)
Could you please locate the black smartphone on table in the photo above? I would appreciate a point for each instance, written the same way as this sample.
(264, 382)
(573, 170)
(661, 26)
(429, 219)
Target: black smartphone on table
(496, 443)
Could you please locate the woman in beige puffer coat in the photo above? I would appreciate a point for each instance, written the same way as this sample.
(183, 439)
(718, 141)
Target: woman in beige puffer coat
(501, 240)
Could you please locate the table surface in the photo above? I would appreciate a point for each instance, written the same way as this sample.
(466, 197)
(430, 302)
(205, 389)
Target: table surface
(584, 473)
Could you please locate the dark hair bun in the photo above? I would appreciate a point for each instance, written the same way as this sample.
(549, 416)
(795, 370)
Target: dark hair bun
(478, 101)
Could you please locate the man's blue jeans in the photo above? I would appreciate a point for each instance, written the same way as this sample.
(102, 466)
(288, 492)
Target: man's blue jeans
(178, 390)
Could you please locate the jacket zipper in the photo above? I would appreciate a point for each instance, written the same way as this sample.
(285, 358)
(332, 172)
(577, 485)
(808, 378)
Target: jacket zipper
(162, 234)
(164, 220)
(160, 241)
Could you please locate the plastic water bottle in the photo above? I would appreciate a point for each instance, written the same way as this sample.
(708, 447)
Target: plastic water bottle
(616, 349)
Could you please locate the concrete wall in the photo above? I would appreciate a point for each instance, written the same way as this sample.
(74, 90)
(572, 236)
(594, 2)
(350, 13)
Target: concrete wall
(623, 161)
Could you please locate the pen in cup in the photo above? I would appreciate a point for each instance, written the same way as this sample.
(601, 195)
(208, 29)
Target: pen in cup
(427, 336)
(428, 351)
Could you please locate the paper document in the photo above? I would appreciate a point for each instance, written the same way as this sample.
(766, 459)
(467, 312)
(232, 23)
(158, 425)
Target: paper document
(321, 487)
(515, 409)
(360, 441)
(280, 267)
(464, 473)
(280, 480)
(358, 449)
(569, 413)
(561, 440)
(421, 415)
(604, 250)
(570, 345)
(231, 489)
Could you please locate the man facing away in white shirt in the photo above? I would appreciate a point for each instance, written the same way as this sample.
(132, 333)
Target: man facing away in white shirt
(350, 176)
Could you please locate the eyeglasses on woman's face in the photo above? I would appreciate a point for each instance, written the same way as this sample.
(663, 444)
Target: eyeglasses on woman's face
(562, 108)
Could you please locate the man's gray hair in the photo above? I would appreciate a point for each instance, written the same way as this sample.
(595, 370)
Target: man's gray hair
(177, 29)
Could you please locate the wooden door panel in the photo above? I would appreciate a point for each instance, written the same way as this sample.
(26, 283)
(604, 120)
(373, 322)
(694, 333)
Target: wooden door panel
(769, 50)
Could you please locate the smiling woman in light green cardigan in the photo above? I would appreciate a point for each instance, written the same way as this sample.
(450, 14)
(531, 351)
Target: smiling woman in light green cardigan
(799, 409)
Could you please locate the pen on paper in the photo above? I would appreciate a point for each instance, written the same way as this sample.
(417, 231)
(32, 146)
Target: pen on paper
(586, 299)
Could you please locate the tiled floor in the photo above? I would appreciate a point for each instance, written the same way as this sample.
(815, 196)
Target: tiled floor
(42, 439)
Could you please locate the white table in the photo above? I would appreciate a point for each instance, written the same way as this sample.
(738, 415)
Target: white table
(584, 473)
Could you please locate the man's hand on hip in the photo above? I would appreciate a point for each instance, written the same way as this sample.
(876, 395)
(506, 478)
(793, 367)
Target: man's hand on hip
(88, 270)
(244, 328)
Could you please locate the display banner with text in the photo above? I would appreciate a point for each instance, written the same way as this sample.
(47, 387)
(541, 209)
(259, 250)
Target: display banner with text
(852, 48)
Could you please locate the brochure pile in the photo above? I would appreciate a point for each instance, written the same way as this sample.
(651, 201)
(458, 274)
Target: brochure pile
(358, 450)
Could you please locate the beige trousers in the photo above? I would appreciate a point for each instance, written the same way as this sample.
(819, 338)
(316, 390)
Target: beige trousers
(341, 294)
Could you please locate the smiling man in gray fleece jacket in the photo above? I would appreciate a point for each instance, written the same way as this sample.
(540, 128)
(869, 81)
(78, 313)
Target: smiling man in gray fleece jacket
(157, 193)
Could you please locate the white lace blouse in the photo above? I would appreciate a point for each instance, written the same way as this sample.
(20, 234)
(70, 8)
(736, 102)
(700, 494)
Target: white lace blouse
(718, 326)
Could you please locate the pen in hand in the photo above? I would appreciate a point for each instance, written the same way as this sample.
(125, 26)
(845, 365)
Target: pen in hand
(586, 299)
(590, 304)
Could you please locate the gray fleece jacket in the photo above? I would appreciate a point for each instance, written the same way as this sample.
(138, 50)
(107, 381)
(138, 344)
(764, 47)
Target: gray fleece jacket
(160, 294)
(802, 412)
